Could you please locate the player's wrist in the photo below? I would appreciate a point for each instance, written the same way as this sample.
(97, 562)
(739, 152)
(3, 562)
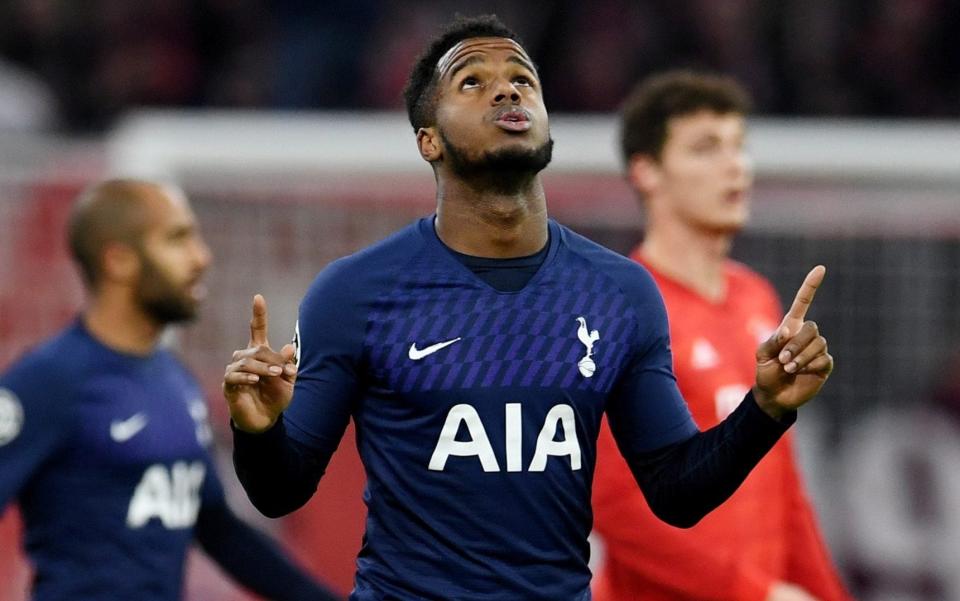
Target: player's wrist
(254, 428)
(769, 405)
(260, 435)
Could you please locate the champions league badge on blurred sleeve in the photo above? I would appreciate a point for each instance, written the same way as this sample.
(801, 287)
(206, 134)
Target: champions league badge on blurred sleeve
(11, 416)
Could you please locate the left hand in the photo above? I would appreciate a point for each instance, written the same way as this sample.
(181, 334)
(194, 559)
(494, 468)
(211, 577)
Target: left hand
(793, 364)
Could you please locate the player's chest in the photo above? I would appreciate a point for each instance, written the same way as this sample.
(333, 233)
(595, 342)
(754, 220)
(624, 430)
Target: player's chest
(474, 339)
(129, 422)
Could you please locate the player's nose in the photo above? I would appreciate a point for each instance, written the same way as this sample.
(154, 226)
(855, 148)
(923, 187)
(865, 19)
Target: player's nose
(505, 91)
(739, 163)
(201, 254)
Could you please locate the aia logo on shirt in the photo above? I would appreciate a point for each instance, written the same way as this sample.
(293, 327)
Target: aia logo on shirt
(171, 495)
(560, 417)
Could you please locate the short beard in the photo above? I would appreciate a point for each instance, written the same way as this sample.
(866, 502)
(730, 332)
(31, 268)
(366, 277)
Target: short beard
(504, 170)
(158, 298)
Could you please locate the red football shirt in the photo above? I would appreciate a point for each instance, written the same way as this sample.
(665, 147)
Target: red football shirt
(766, 532)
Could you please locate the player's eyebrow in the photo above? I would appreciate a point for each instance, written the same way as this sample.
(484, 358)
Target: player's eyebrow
(470, 61)
(479, 59)
(180, 230)
(523, 63)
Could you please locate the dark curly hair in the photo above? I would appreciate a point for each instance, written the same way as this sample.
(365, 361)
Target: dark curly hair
(419, 93)
(646, 113)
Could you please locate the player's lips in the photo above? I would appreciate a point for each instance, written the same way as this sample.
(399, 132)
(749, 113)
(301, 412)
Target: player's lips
(513, 119)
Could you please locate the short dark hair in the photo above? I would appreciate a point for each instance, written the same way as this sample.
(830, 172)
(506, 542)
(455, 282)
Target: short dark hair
(419, 93)
(647, 111)
(109, 211)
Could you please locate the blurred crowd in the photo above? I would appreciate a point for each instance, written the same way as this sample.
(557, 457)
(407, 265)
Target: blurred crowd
(76, 66)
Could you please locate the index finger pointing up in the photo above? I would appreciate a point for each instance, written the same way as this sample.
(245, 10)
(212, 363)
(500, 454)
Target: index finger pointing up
(258, 323)
(798, 310)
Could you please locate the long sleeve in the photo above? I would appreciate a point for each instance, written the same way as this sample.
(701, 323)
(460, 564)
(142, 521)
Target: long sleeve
(683, 472)
(252, 559)
(686, 480)
(642, 550)
(739, 550)
(808, 563)
(38, 419)
(280, 468)
(278, 474)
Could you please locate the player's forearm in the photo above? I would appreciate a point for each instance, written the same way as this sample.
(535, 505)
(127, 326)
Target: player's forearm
(278, 474)
(685, 481)
(254, 560)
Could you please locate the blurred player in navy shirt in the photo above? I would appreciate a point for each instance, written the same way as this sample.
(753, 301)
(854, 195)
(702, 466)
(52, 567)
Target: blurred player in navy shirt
(105, 439)
(476, 351)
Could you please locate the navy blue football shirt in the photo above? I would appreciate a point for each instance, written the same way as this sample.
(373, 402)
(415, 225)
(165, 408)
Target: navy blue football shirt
(106, 455)
(109, 467)
(477, 411)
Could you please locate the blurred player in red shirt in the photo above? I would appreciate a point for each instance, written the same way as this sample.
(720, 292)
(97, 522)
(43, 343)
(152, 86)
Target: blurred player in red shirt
(683, 143)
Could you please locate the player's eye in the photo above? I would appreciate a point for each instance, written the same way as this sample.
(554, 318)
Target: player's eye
(469, 82)
(180, 234)
(522, 80)
(705, 146)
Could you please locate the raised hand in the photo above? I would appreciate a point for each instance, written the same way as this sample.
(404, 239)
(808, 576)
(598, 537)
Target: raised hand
(258, 383)
(793, 364)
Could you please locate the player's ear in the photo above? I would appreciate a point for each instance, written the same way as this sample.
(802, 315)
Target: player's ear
(643, 173)
(428, 142)
(120, 262)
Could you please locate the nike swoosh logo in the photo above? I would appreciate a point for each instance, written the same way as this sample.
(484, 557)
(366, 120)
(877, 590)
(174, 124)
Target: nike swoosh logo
(124, 430)
(416, 354)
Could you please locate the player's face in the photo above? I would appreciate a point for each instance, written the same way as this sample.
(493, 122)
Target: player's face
(173, 259)
(490, 112)
(705, 175)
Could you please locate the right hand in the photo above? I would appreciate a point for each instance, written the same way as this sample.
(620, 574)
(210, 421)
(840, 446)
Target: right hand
(793, 364)
(782, 591)
(258, 384)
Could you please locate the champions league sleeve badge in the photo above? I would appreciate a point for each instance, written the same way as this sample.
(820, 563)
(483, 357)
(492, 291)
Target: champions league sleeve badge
(11, 416)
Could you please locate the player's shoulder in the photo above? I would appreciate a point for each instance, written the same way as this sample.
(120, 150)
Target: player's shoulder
(61, 353)
(744, 280)
(627, 275)
(351, 282)
(47, 372)
(744, 273)
(396, 248)
(374, 261)
(171, 359)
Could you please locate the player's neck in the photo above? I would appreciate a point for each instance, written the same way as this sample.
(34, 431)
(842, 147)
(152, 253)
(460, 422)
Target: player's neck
(693, 257)
(120, 325)
(495, 224)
